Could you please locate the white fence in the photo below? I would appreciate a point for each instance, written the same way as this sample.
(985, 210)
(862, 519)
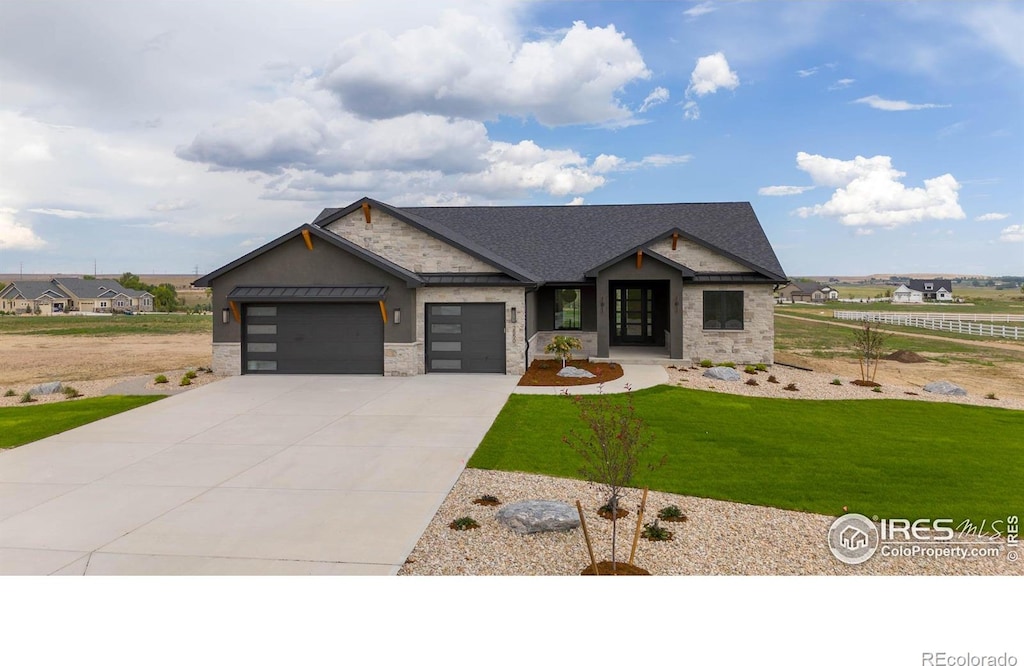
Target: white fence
(969, 324)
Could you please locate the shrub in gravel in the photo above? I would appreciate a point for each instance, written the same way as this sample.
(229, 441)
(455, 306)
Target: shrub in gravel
(706, 363)
(751, 382)
(877, 389)
(761, 367)
(750, 370)
(10, 393)
(655, 532)
(991, 396)
(837, 382)
(725, 364)
(160, 379)
(790, 387)
(191, 374)
(27, 397)
(772, 379)
(70, 392)
(464, 523)
(487, 500)
(185, 381)
(672, 514)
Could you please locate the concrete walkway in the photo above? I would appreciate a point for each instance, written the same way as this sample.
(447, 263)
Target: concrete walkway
(249, 475)
(636, 376)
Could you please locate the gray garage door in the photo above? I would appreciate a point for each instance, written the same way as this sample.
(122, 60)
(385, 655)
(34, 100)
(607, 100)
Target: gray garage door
(465, 337)
(313, 338)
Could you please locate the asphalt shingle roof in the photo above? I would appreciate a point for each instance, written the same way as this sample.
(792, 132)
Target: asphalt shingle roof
(33, 289)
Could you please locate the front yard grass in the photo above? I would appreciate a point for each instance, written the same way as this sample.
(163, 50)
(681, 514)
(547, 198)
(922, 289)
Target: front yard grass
(885, 458)
(21, 425)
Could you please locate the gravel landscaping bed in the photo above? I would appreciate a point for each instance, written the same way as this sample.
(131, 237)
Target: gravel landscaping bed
(97, 387)
(720, 538)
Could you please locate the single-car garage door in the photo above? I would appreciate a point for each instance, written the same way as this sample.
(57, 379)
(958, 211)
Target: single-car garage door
(465, 337)
(313, 338)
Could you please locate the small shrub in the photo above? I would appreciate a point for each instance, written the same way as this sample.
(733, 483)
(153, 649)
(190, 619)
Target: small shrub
(725, 364)
(191, 374)
(185, 381)
(991, 396)
(761, 367)
(26, 397)
(655, 532)
(160, 379)
(706, 363)
(750, 370)
(672, 513)
(772, 379)
(751, 382)
(487, 500)
(70, 392)
(464, 523)
(10, 393)
(877, 389)
(562, 346)
(605, 511)
(790, 387)
(837, 382)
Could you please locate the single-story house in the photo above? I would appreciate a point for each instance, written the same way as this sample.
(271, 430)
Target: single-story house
(65, 294)
(831, 293)
(379, 289)
(804, 291)
(919, 291)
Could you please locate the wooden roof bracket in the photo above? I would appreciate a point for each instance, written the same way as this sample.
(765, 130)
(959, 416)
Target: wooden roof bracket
(383, 311)
(234, 310)
(675, 239)
(309, 239)
(366, 212)
(639, 258)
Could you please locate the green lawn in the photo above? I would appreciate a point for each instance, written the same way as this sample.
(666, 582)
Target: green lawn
(894, 458)
(21, 425)
(154, 324)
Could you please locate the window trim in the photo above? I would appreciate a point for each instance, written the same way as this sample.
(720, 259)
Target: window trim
(704, 309)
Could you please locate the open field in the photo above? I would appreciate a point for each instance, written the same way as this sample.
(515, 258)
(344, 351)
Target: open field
(107, 326)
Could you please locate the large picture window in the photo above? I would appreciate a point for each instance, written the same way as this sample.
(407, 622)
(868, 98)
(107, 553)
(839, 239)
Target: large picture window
(567, 310)
(723, 310)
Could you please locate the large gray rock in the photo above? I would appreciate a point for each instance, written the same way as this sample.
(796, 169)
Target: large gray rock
(572, 371)
(538, 516)
(46, 389)
(944, 388)
(724, 373)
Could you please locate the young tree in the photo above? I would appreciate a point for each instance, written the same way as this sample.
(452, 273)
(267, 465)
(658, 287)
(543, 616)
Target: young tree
(562, 346)
(868, 342)
(611, 448)
(165, 297)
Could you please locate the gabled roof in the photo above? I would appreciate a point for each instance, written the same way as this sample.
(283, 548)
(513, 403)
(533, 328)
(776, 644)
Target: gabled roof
(687, 272)
(411, 279)
(32, 289)
(82, 288)
(806, 286)
(918, 285)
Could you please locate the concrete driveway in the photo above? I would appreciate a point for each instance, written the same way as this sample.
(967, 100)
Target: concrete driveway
(250, 475)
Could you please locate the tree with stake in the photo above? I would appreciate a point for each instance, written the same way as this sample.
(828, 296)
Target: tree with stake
(869, 341)
(562, 346)
(611, 448)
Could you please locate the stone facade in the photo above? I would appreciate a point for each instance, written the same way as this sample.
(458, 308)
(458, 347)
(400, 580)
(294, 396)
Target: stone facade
(515, 333)
(696, 257)
(405, 245)
(541, 339)
(227, 358)
(754, 344)
(402, 359)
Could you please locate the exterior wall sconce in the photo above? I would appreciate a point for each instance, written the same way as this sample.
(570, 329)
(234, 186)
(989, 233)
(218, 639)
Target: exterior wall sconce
(676, 302)
(397, 316)
(512, 318)
(224, 314)
(602, 305)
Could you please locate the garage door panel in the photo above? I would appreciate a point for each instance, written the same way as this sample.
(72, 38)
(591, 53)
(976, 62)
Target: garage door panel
(465, 337)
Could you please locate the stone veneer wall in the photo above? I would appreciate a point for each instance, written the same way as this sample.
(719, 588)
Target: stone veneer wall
(754, 344)
(227, 358)
(402, 359)
(512, 297)
(541, 339)
(695, 257)
(405, 245)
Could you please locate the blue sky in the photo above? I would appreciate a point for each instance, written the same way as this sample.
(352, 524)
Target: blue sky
(174, 136)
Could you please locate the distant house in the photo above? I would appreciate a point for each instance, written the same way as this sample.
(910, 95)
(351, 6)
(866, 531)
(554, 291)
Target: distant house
(801, 291)
(919, 291)
(904, 294)
(831, 293)
(61, 295)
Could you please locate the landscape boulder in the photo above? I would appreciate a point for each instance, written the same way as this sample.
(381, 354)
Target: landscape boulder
(724, 373)
(46, 389)
(533, 516)
(944, 388)
(571, 371)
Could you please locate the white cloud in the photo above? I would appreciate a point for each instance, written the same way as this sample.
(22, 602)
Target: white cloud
(700, 10)
(876, 102)
(783, 190)
(861, 231)
(576, 201)
(842, 83)
(15, 235)
(173, 204)
(711, 73)
(869, 193)
(999, 25)
(1012, 234)
(659, 160)
(691, 111)
(990, 217)
(517, 168)
(658, 96)
(67, 214)
(804, 73)
(467, 68)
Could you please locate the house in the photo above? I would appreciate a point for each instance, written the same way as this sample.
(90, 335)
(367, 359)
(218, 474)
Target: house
(378, 289)
(904, 294)
(64, 294)
(831, 293)
(803, 291)
(919, 291)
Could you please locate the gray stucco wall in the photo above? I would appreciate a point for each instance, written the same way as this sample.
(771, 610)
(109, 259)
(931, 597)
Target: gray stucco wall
(653, 270)
(292, 264)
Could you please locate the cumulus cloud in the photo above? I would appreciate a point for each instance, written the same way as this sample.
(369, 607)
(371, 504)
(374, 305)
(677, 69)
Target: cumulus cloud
(783, 190)
(990, 217)
(1012, 234)
(876, 102)
(658, 96)
(15, 235)
(463, 67)
(576, 201)
(691, 111)
(842, 83)
(711, 73)
(869, 193)
(700, 10)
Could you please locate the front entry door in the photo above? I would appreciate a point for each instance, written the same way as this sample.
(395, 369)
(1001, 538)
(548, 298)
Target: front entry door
(633, 315)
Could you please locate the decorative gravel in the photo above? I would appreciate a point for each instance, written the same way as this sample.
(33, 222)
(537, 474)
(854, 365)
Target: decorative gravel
(98, 387)
(720, 538)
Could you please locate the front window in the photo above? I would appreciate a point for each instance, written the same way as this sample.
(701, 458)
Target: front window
(723, 310)
(567, 310)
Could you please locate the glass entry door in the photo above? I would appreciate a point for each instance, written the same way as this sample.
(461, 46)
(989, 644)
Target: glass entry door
(633, 315)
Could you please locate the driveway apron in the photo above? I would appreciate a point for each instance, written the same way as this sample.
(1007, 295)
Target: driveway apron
(249, 475)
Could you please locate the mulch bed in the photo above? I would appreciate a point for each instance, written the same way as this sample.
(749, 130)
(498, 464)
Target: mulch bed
(865, 382)
(904, 356)
(621, 569)
(544, 372)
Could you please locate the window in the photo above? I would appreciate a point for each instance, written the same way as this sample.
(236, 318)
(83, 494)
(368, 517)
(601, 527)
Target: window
(928, 286)
(261, 311)
(723, 310)
(567, 310)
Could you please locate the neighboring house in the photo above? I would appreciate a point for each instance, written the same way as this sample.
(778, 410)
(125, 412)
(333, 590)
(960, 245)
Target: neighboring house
(376, 289)
(802, 291)
(61, 295)
(831, 293)
(919, 291)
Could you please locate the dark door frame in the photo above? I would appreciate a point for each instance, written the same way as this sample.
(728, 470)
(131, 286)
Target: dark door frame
(640, 306)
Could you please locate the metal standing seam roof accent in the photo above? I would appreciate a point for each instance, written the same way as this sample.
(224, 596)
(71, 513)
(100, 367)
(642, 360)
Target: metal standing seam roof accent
(733, 278)
(334, 293)
(493, 280)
